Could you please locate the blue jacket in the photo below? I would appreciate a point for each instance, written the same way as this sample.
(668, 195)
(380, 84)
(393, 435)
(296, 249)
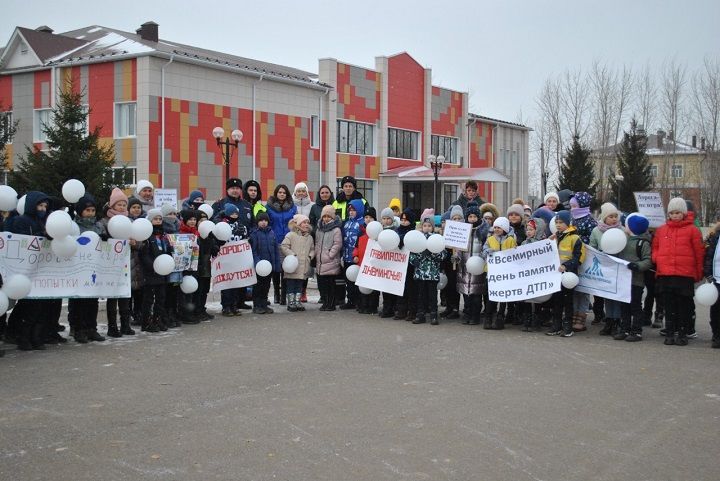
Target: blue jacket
(265, 247)
(29, 223)
(246, 210)
(351, 230)
(280, 215)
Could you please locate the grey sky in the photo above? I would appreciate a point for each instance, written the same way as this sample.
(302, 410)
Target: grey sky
(501, 51)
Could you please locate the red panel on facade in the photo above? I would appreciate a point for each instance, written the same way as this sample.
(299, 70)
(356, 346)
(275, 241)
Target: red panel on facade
(406, 93)
(101, 94)
(40, 78)
(5, 92)
(448, 122)
(356, 106)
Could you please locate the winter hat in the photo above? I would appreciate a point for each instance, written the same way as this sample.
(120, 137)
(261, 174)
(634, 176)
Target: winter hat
(677, 204)
(527, 208)
(564, 196)
(531, 223)
(231, 209)
(574, 203)
(583, 199)
(517, 209)
(168, 209)
(564, 216)
(428, 213)
(300, 218)
(637, 223)
(84, 202)
(395, 202)
(503, 223)
(445, 217)
(387, 212)
(300, 186)
(348, 178)
(490, 207)
(608, 208)
(551, 194)
(329, 211)
(371, 212)
(472, 208)
(233, 182)
(116, 196)
(429, 220)
(194, 196)
(408, 214)
(188, 214)
(544, 213)
(262, 216)
(134, 201)
(152, 213)
(359, 207)
(142, 184)
(456, 211)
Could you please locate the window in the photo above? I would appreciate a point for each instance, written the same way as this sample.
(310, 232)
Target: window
(314, 131)
(125, 176)
(83, 126)
(42, 118)
(412, 197)
(446, 146)
(450, 195)
(355, 138)
(403, 144)
(365, 187)
(653, 170)
(676, 193)
(4, 177)
(6, 127)
(125, 120)
(676, 171)
(23, 48)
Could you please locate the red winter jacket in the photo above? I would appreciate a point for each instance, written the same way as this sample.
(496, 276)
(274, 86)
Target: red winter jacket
(678, 250)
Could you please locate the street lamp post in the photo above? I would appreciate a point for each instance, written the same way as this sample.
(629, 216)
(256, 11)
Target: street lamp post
(226, 146)
(436, 164)
(618, 180)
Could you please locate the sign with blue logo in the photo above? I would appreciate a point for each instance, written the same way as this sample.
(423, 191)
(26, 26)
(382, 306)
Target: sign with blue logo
(605, 276)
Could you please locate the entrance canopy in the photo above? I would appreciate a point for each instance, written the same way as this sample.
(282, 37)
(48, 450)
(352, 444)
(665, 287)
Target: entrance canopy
(448, 174)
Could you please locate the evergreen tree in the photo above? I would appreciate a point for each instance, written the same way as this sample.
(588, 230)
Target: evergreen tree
(577, 172)
(72, 153)
(634, 167)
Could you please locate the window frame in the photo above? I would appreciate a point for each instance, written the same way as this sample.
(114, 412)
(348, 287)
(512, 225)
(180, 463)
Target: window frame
(38, 129)
(416, 146)
(116, 123)
(314, 132)
(453, 159)
(128, 168)
(343, 143)
(362, 186)
(8, 122)
(452, 198)
(675, 168)
(653, 171)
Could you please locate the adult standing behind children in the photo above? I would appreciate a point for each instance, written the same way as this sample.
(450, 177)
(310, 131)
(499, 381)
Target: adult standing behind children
(145, 193)
(233, 188)
(281, 210)
(348, 193)
(253, 194)
(469, 194)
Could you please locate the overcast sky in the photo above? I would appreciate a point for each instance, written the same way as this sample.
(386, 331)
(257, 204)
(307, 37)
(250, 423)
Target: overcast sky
(500, 51)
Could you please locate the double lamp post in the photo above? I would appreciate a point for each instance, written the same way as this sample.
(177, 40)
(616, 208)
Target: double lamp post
(226, 147)
(436, 164)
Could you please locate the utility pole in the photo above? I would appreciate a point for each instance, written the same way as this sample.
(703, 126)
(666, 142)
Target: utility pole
(543, 172)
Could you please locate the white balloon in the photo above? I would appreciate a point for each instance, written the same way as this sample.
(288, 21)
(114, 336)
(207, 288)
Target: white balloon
(205, 228)
(164, 264)
(207, 209)
(436, 243)
(443, 281)
(75, 229)
(120, 227)
(21, 205)
(388, 239)
(64, 246)
(373, 229)
(8, 198)
(553, 226)
(141, 229)
(706, 295)
(540, 300)
(365, 290)
(569, 280)
(475, 265)
(222, 231)
(58, 224)
(613, 241)
(189, 284)
(72, 190)
(263, 268)
(4, 303)
(92, 235)
(17, 287)
(290, 264)
(415, 241)
(352, 272)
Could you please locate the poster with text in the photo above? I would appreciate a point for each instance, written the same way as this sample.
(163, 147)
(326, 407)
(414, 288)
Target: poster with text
(525, 272)
(233, 267)
(383, 270)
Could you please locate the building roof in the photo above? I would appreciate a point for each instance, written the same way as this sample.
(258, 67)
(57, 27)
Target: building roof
(47, 45)
(514, 125)
(659, 145)
(449, 174)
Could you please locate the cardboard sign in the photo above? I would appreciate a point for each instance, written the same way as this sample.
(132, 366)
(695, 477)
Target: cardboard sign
(186, 252)
(525, 272)
(605, 276)
(98, 268)
(651, 206)
(383, 270)
(165, 196)
(457, 235)
(233, 266)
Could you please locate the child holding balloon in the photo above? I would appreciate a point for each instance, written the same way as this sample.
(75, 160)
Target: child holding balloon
(427, 274)
(609, 219)
(154, 317)
(264, 248)
(499, 240)
(299, 243)
(208, 248)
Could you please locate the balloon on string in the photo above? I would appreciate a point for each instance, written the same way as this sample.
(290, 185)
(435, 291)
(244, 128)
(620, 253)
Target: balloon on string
(436, 243)
(4, 303)
(141, 229)
(569, 280)
(64, 246)
(415, 241)
(20, 208)
(290, 264)
(365, 290)
(222, 231)
(388, 239)
(205, 228)
(163, 264)
(58, 224)
(475, 265)
(120, 227)
(706, 295)
(613, 241)
(207, 209)
(72, 190)
(352, 272)
(75, 229)
(540, 300)
(17, 287)
(263, 268)
(553, 226)
(373, 229)
(8, 198)
(443, 281)
(189, 284)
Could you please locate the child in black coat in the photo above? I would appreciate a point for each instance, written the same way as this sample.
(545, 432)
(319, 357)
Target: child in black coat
(154, 316)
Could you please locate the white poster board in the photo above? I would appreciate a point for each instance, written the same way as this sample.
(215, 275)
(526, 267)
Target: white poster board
(165, 196)
(98, 268)
(525, 272)
(651, 206)
(383, 270)
(457, 235)
(605, 276)
(233, 266)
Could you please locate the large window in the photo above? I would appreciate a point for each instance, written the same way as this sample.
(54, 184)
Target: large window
(446, 146)
(677, 171)
(42, 118)
(6, 127)
(403, 144)
(365, 187)
(314, 131)
(450, 195)
(355, 138)
(412, 197)
(126, 176)
(653, 170)
(125, 120)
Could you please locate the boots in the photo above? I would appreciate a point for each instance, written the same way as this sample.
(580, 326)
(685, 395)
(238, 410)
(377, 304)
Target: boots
(125, 326)
(298, 302)
(276, 299)
(419, 318)
(433, 318)
(112, 330)
(284, 296)
(93, 335)
(291, 303)
(149, 325)
(609, 328)
(303, 296)
(579, 319)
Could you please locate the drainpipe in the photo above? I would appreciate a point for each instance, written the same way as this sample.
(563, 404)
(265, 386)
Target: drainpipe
(320, 137)
(162, 132)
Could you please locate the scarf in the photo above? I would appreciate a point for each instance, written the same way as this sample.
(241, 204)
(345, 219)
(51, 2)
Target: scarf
(580, 212)
(604, 227)
(113, 212)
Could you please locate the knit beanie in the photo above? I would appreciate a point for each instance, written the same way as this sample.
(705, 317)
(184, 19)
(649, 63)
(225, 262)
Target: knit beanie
(637, 223)
(456, 211)
(300, 186)
(531, 223)
(408, 214)
(677, 204)
(231, 209)
(428, 214)
(152, 213)
(583, 199)
(517, 209)
(395, 202)
(564, 216)
(195, 195)
(262, 216)
(329, 211)
(387, 212)
(551, 194)
(168, 209)
(188, 214)
(472, 208)
(371, 212)
(544, 213)
(142, 184)
(300, 218)
(133, 201)
(116, 196)
(503, 223)
(608, 208)
(84, 202)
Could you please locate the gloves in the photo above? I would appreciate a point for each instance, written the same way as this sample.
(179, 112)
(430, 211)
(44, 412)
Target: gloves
(455, 259)
(633, 266)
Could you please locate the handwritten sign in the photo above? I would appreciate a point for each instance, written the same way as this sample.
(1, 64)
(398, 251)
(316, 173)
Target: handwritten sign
(165, 196)
(650, 205)
(457, 235)
(233, 266)
(383, 270)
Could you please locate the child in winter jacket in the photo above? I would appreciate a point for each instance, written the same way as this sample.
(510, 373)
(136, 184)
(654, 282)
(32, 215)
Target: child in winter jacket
(426, 276)
(264, 248)
(328, 248)
(231, 299)
(405, 305)
(711, 271)
(135, 211)
(584, 222)
(208, 248)
(471, 285)
(499, 240)
(185, 306)
(299, 243)
(607, 308)
(678, 254)
(154, 315)
(452, 297)
(173, 294)
(387, 219)
(366, 303)
(352, 229)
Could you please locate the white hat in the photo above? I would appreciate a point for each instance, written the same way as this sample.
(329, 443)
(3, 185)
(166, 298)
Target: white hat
(503, 223)
(552, 194)
(154, 213)
(677, 204)
(608, 208)
(168, 209)
(300, 186)
(141, 184)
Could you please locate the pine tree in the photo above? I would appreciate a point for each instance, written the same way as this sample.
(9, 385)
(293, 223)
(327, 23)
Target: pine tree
(70, 154)
(634, 167)
(576, 171)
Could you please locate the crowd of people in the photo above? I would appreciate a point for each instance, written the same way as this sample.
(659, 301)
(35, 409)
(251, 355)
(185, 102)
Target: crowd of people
(328, 235)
